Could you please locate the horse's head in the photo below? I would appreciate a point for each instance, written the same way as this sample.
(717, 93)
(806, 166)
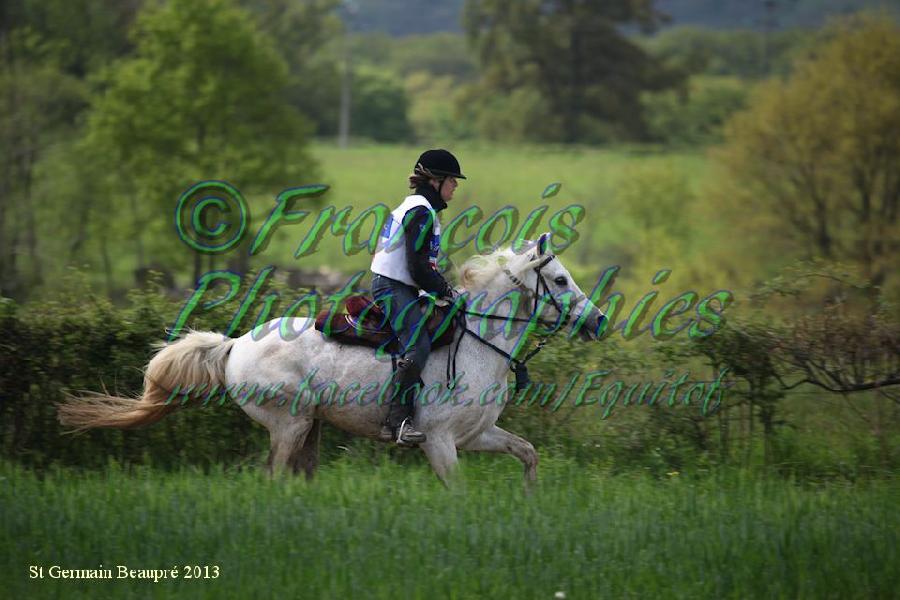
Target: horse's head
(548, 294)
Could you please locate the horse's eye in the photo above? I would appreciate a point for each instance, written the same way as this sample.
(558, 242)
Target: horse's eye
(560, 280)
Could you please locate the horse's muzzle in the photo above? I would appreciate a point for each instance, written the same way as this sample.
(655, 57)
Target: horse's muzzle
(601, 326)
(593, 327)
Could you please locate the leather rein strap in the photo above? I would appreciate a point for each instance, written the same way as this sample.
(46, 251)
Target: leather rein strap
(516, 366)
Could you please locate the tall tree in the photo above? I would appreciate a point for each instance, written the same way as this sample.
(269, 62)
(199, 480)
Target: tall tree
(37, 101)
(574, 54)
(820, 152)
(304, 32)
(203, 97)
(83, 34)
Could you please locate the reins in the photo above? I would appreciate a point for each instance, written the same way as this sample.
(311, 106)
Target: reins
(517, 366)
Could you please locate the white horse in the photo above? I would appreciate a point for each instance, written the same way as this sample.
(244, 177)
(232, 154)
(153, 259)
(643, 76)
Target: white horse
(290, 369)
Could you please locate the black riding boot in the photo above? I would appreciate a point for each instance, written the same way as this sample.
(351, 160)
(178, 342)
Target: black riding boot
(399, 427)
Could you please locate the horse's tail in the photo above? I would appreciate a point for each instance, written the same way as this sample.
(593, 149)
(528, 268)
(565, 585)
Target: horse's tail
(194, 362)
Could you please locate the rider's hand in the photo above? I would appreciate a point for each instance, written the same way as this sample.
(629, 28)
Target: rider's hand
(451, 295)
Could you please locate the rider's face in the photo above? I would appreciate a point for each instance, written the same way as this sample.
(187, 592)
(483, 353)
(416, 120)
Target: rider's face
(447, 189)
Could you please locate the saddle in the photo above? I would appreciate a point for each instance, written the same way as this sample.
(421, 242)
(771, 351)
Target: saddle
(358, 320)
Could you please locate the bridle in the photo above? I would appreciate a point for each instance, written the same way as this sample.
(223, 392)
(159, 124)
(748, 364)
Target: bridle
(541, 291)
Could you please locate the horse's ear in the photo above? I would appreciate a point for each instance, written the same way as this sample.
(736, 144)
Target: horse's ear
(542, 243)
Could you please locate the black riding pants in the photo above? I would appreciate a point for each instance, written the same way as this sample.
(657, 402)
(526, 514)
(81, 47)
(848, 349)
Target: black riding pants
(407, 314)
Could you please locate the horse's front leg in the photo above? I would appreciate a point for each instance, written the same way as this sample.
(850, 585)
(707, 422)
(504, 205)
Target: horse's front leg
(500, 440)
(441, 453)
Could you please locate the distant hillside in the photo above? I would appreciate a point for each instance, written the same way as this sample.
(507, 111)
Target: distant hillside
(752, 14)
(406, 17)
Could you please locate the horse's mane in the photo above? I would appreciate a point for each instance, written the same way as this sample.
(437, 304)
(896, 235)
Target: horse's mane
(479, 270)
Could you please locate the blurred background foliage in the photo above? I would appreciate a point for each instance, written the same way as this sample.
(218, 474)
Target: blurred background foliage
(747, 146)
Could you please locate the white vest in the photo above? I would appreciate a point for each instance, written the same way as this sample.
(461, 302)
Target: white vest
(390, 256)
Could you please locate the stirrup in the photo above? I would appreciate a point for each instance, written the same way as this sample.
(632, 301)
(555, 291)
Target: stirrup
(416, 437)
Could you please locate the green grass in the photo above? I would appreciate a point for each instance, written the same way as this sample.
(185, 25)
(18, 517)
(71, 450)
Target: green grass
(369, 173)
(366, 174)
(390, 531)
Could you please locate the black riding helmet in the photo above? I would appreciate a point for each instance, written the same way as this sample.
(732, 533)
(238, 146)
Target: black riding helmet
(441, 163)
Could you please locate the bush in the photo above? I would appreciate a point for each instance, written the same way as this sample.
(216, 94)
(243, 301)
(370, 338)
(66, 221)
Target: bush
(379, 108)
(697, 114)
(55, 347)
(58, 346)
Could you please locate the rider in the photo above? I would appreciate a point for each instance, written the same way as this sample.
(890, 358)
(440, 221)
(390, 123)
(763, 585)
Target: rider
(405, 266)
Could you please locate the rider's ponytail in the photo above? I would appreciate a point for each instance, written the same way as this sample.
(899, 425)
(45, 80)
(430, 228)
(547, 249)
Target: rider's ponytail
(420, 176)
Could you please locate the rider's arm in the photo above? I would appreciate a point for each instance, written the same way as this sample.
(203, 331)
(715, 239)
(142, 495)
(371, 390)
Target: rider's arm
(425, 276)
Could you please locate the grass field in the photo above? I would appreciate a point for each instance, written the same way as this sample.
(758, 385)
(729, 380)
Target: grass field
(604, 181)
(366, 174)
(390, 531)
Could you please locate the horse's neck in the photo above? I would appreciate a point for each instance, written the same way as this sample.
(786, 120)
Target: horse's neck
(504, 310)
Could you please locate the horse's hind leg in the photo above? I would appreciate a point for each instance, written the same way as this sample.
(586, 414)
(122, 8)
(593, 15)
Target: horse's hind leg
(500, 440)
(306, 458)
(286, 442)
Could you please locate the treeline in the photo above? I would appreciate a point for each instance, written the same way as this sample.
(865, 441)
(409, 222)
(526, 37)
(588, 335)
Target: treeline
(111, 109)
(566, 74)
